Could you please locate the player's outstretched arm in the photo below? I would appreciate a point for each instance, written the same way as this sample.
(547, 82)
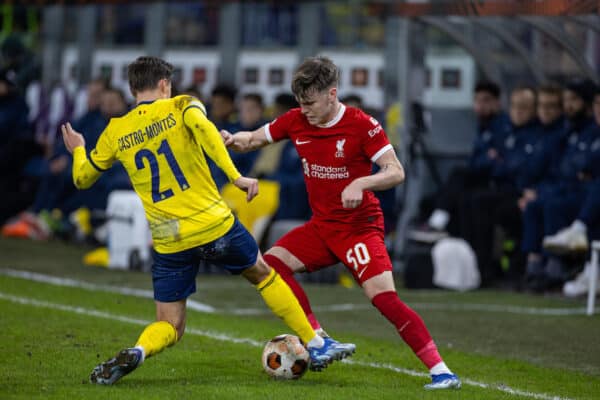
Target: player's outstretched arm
(84, 173)
(391, 173)
(208, 137)
(245, 141)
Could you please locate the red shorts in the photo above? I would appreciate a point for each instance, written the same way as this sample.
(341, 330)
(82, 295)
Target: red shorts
(318, 246)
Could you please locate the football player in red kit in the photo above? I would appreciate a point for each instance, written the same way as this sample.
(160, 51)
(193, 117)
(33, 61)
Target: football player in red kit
(337, 146)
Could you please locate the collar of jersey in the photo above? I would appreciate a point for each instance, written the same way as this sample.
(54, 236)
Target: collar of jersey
(335, 119)
(145, 102)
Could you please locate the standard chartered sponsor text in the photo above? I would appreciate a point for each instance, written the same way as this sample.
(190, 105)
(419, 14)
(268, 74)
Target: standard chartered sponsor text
(328, 172)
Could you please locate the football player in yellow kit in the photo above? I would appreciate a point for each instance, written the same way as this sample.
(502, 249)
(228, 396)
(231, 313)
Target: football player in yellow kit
(161, 143)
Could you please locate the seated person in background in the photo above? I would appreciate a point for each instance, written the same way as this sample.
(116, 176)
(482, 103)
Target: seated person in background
(56, 191)
(221, 111)
(193, 91)
(492, 127)
(488, 206)
(585, 227)
(17, 147)
(566, 181)
(251, 116)
(267, 161)
(575, 236)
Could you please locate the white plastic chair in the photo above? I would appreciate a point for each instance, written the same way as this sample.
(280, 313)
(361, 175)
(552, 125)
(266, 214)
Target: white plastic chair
(593, 278)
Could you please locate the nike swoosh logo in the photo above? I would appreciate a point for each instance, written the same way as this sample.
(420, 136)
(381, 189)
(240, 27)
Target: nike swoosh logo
(298, 141)
(361, 272)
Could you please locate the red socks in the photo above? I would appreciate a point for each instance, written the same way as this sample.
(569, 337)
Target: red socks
(409, 325)
(288, 276)
(407, 322)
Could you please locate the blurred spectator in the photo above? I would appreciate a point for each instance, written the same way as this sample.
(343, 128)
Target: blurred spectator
(497, 203)
(252, 110)
(13, 109)
(251, 117)
(222, 108)
(17, 58)
(353, 100)
(451, 204)
(192, 91)
(20, 156)
(88, 99)
(287, 169)
(221, 112)
(566, 182)
(57, 197)
(586, 226)
(268, 158)
(552, 126)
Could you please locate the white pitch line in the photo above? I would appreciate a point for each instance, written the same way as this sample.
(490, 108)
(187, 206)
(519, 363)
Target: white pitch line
(343, 307)
(255, 343)
(57, 281)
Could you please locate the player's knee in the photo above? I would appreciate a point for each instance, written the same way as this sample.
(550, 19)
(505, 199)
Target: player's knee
(378, 284)
(258, 272)
(283, 261)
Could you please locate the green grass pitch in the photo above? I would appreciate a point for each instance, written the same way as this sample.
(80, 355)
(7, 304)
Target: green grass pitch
(501, 344)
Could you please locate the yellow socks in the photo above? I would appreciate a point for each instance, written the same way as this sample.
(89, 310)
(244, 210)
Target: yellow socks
(279, 298)
(156, 337)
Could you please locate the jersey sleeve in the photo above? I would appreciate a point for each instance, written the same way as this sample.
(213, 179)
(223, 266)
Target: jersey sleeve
(279, 128)
(87, 169)
(374, 138)
(208, 137)
(103, 155)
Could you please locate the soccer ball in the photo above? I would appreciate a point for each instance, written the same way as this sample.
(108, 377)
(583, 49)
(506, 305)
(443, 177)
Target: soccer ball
(285, 357)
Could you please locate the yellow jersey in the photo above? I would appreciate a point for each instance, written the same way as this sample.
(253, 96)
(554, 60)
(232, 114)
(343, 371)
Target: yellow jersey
(161, 144)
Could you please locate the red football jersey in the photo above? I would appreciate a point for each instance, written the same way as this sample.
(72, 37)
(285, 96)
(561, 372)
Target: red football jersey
(333, 155)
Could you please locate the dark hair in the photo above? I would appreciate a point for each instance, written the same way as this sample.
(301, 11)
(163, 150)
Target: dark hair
(488, 87)
(583, 88)
(552, 89)
(352, 98)
(224, 90)
(286, 100)
(255, 97)
(315, 74)
(145, 73)
(117, 91)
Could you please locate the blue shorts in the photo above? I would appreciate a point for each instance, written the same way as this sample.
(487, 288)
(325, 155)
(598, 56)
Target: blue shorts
(174, 275)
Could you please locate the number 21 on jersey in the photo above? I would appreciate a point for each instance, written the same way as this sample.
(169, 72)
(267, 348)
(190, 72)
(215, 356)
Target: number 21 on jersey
(166, 151)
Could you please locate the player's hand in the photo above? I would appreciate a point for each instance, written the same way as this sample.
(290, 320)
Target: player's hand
(248, 185)
(352, 195)
(71, 137)
(227, 138)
